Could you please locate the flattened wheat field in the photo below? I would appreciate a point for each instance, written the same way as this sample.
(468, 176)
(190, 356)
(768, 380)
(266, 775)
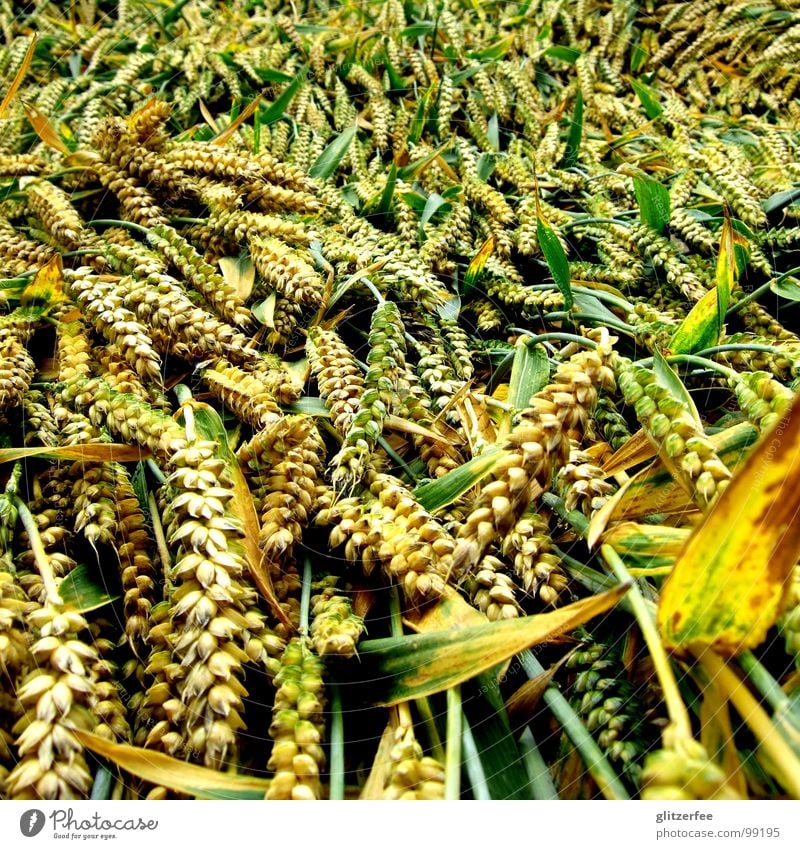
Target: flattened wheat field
(397, 399)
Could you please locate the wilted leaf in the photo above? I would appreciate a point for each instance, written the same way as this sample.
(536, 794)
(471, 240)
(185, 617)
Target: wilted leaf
(403, 668)
(651, 546)
(523, 703)
(181, 777)
(716, 735)
(45, 130)
(379, 775)
(251, 107)
(703, 325)
(20, 75)
(452, 610)
(478, 263)
(701, 328)
(654, 490)
(727, 586)
(46, 290)
(638, 449)
(100, 452)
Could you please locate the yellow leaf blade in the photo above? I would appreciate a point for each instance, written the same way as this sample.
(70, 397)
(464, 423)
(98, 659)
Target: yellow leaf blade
(165, 771)
(422, 664)
(727, 585)
(46, 290)
(45, 130)
(638, 449)
(654, 490)
(19, 76)
(101, 452)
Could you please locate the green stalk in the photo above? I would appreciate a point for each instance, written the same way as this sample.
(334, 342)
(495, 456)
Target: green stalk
(160, 477)
(692, 360)
(103, 783)
(593, 580)
(680, 723)
(395, 613)
(305, 596)
(337, 785)
(597, 764)
(761, 290)
(542, 786)
(564, 337)
(473, 765)
(161, 543)
(423, 707)
(754, 295)
(769, 688)
(575, 518)
(562, 315)
(736, 346)
(590, 219)
(452, 784)
(112, 222)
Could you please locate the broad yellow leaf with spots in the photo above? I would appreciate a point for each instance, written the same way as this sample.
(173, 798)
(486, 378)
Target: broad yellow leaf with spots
(728, 583)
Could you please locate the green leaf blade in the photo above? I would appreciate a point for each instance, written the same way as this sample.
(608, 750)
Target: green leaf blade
(330, 158)
(654, 204)
(556, 259)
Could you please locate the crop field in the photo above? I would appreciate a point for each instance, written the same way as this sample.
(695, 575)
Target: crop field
(397, 399)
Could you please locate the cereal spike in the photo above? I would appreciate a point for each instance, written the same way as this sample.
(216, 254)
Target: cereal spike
(283, 466)
(103, 300)
(339, 377)
(285, 270)
(679, 439)
(535, 564)
(16, 369)
(411, 775)
(385, 360)
(244, 393)
(202, 276)
(199, 687)
(297, 726)
(58, 696)
(335, 629)
(62, 221)
(537, 446)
